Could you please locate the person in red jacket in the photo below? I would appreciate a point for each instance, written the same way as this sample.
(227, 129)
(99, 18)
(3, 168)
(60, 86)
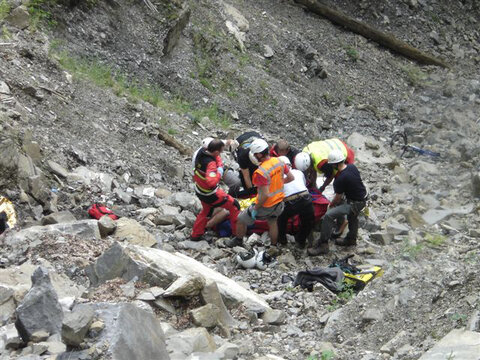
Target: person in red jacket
(207, 175)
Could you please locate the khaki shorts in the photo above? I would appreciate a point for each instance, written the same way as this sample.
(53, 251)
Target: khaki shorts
(262, 214)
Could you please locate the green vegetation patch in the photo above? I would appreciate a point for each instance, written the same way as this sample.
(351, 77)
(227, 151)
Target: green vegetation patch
(4, 9)
(415, 76)
(105, 76)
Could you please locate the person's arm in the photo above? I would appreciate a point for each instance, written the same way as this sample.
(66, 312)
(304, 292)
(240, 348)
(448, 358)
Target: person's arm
(288, 177)
(312, 178)
(246, 178)
(212, 176)
(336, 200)
(326, 183)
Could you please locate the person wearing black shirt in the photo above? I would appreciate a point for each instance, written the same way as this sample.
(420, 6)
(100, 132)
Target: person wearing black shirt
(247, 168)
(348, 184)
(283, 148)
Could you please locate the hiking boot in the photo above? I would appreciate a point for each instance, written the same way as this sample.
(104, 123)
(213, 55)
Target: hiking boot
(300, 243)
(321, 249)
(196, 238)
(282, 241)
(232, 242)
(346, 242)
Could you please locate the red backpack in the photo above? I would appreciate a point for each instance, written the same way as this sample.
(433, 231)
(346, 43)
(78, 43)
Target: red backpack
(96, 211)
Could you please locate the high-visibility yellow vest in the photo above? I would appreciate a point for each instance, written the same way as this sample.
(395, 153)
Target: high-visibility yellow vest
(319, 150)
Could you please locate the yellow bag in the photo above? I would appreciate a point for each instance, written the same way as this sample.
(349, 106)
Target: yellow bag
(7, 206)
(367, 274)
(245, 203)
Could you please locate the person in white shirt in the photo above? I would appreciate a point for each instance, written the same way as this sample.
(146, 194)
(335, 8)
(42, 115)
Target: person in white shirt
(298, 201)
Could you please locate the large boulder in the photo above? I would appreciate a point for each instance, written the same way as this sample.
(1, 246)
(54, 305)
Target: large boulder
(76, 324)
(58, 217)
(134, 233)
(40, 309)
(161, 268)
(457, 344)
(132, 333)
(180, 345)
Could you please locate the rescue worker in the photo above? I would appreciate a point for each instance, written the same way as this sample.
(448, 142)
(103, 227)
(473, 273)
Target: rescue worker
(317, 160)
(247, 168)
(207, 175)
(269, 180)
(283, 148)
(297, 201)
(348, 183)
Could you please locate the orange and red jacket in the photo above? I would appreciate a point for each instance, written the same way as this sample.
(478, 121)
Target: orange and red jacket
(206, 175)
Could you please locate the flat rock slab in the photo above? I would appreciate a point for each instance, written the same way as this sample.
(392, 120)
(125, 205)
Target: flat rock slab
(433, 216)
(457, 344)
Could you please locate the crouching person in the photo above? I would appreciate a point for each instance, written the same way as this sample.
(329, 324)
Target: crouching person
(207, 174)
(269, 180)
(347, 183)
(297, 201)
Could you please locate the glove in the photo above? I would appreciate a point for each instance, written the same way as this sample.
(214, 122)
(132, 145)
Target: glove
(220, 170)
(253, 213)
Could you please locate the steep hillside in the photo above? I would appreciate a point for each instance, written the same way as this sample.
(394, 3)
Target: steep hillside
(93, 95)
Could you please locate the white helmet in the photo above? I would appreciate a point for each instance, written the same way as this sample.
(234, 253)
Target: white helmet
(302, 161)
(258, 145)
(206, 142)
(336, 156)
(285, 160)
(262, 260)
(247, 260)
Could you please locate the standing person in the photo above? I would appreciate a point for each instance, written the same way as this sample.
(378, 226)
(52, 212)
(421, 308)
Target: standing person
(247, 167)
(348, 184)
(207, 174)
(318, 163)
(298, 201)
(269, 180)
(283, 148)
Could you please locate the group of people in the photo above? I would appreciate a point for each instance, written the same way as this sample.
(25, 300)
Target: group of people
(282, 178)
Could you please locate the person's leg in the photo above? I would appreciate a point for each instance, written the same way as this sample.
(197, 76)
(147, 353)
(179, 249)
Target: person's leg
(327, 226)
(307, 220)
(351, 238)
(233, 208)
(201, 221)
(219, 215)
(282, 222)
(273, 230)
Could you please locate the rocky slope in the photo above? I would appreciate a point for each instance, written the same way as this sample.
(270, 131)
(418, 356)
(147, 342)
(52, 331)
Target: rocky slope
(83, 102)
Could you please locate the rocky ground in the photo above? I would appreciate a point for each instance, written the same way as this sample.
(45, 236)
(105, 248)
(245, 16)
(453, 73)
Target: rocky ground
(87, 92)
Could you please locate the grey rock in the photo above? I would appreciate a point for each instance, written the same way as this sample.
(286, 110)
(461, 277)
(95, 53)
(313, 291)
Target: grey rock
(184, 200)
(457, 344)
(473, 323)
(110, 265)
(433, 216)
(186, 286)
(476, 184)
(274, 317)
(40, 309)
(395, 228)
(57, 169)
(160, 268)
(58, 217)
(40, 335)
(211, 295)
(381, 238)
(422, 168)
(54, 347)
(190, 341)
(237, 17)
(76, 324)
(205, 316)
(372, 315)
(175, 31)
(38, 189)
(11, 337)
(134, 233)
(4, 89)
(268, 52)
(162, 193)
(414, 219)
(168, 215)
(7, 304)
(146, 296)
(19, 17)
(394, 343)
(124, 196)
(228, 351)
(166, 305)
(132, 333)
(106, 226)
(194, 245)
